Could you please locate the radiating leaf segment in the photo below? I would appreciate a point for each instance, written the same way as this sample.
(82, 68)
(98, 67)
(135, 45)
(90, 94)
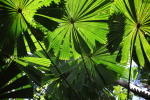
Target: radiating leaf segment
(78, 24)
(136, 29)
(81, 28)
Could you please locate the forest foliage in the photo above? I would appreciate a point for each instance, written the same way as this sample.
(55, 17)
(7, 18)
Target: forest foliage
(71, 49)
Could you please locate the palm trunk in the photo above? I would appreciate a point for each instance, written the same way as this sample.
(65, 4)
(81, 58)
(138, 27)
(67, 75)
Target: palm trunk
(136, 90)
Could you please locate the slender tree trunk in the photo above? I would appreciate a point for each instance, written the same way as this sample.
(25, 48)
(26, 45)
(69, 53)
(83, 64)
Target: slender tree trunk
(136, 90)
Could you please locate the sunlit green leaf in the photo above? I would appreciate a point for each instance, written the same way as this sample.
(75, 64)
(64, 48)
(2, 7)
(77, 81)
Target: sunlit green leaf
(81, 24)
(135, 30)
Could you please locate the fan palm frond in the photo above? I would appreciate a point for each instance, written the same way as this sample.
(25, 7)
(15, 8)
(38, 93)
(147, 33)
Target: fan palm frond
(15, 29)
(82, 22)
(136, 29)
(101, 67)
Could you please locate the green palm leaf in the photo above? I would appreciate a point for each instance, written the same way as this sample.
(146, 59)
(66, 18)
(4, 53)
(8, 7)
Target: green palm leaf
(82, 22)
(37, 61)
(9, 77)
(101, 66)
(15, 30)
(136, 29)
(36, 66)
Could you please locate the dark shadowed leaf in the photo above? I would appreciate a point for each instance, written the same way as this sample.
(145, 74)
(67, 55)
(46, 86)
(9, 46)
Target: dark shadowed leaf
(13, 83)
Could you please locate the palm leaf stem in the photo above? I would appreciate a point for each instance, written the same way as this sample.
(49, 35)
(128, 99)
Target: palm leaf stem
(52, 61)
(129, 78)
(131, 52)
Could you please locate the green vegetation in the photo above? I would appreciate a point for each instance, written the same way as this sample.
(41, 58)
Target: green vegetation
(73, 49)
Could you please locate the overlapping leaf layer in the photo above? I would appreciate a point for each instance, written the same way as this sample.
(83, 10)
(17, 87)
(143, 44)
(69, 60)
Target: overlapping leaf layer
(134, 30)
